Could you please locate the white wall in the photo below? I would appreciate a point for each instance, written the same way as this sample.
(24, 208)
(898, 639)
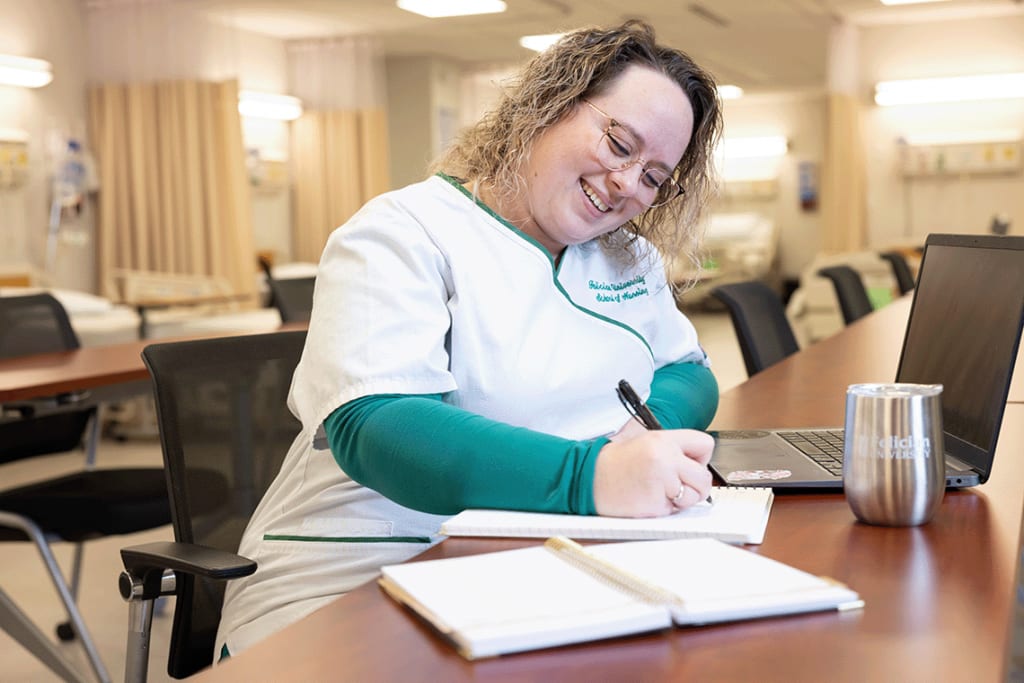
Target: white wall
(159, 41)
(423, 97)
(141, 41)
(900, 210)
(163, 41)
(906, 209)
(800, 118)
(50, 30)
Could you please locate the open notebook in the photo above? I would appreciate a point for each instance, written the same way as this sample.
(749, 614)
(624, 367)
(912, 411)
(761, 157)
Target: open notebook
(737, 515)
(560, 593)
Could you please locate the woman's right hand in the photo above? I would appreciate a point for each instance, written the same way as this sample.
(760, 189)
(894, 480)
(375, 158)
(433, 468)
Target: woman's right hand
(641, 476)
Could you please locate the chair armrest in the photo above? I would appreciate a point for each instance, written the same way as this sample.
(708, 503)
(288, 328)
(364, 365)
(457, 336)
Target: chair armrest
(148, 561)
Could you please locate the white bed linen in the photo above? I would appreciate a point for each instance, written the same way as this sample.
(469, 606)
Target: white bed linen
(96, 320)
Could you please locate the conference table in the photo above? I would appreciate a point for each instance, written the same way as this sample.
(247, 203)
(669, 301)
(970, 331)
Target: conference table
(938, 598)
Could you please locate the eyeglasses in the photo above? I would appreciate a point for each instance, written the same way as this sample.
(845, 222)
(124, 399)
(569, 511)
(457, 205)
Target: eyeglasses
(618, 150)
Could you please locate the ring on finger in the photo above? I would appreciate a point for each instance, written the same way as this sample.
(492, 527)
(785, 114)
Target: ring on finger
(678, 498)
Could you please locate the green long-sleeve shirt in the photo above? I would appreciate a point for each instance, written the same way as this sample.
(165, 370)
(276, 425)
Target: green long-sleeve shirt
(431, 456)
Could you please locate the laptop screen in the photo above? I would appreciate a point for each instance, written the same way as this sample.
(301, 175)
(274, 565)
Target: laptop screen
(963, 333)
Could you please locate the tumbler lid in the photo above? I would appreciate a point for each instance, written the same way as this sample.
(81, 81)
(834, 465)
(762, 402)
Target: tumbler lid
(894, 389)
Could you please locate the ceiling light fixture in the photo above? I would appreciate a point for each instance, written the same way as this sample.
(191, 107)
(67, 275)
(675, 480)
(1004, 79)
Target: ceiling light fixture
(730, 92)
(262, 105)
(541, 42)
(952, 89)
(908, 2)
(25, 71)
(962, 137)
(451, 8)
(746, 148)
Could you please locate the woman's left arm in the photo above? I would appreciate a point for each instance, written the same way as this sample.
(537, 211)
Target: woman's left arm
(684, 396)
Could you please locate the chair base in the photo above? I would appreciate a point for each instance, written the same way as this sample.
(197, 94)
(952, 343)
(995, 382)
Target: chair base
(29, 635)
(15, 623)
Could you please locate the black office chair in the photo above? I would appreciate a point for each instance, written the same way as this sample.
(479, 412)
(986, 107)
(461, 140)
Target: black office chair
(900, 270)
(853, 296)
(762, 329)
(292, 297)
(86, 504)
(224, 429)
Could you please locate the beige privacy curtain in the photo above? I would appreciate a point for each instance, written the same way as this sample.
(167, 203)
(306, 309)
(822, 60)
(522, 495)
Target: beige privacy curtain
(174, 190)
(340, 160)
(843, 195)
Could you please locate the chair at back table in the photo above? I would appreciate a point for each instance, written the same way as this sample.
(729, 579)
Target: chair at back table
(224, 429)
(85, 504)
(762, 329)
(853, 296)
(900, 270)
(292, 297)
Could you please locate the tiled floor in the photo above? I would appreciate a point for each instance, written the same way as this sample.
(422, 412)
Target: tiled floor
(102, 608)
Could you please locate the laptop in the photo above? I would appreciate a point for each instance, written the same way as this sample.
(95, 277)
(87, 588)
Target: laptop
(963, 332)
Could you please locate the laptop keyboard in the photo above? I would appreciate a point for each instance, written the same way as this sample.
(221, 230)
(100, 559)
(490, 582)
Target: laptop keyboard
(824, 447)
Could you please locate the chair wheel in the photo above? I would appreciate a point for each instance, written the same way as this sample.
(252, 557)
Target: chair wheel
(65, 632)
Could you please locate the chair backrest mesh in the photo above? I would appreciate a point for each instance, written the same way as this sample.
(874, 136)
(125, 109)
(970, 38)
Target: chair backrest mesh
(853, 296)
(225, 429)
(900, 270)
(38, 323)
(762, 329)
(293, 297)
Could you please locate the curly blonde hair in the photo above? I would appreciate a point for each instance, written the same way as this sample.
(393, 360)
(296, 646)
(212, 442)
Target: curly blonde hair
(582, 64)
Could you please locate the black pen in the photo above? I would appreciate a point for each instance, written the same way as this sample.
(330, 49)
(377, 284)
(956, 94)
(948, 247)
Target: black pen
(638, 409)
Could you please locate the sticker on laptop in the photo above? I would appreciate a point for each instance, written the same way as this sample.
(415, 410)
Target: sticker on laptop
(758, 475)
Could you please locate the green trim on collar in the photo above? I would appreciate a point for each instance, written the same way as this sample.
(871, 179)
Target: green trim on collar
(346, 539)
(454, 182)
(476, 200)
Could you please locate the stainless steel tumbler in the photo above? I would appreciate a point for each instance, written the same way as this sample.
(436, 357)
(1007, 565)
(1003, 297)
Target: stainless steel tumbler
(893, 463)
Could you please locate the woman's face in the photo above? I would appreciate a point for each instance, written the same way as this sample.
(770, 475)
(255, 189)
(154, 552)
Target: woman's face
(571, 196)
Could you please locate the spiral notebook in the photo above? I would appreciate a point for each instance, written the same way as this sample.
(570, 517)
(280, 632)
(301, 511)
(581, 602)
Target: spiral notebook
(561, 593)
(737, 515)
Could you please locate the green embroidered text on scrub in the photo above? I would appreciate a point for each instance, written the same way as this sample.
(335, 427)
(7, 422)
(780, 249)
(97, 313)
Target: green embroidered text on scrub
(618, 288)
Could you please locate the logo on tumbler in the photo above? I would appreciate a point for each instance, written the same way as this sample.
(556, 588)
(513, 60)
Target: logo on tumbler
(900, 448)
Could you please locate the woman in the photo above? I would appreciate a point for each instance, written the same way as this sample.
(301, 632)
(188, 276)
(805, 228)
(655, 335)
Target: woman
(468, 332)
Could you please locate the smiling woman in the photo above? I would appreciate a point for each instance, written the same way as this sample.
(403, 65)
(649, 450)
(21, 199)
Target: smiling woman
(583, 67)
(585, 176)
(498, 304)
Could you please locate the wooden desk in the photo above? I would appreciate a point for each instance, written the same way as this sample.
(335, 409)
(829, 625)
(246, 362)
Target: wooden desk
(938, 596)
(91, 367)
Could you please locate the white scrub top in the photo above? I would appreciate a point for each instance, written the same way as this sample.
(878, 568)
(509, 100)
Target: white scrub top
(426, 291)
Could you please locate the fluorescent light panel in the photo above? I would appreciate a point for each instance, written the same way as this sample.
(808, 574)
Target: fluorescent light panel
(909, 2)
(963, 137)
(13, 135)
(730, 92)
(539, 43)
(263, 105)
(451, 8)
(952, 89)
(747, 148)
(25, 71)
